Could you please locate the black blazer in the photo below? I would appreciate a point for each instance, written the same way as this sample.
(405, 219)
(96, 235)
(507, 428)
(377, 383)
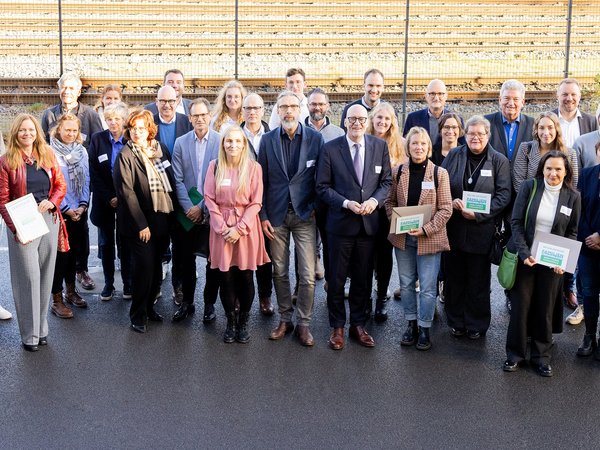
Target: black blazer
(420, 118)
(336, 182)
(587, 122)
(589, 222)
(182, 126)
(135, 210)
(475, 236)
(498, 137)
(101, 178)
(565, 224)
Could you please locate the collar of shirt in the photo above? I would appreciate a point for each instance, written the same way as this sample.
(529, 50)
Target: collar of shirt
(506, 122)
(361, 143)
(445, 111)
(296, 133)
(112, 139)
(204, 139)
(577, 115)
(312, 125)
(249, 133)
(165, 122)
(369, 108)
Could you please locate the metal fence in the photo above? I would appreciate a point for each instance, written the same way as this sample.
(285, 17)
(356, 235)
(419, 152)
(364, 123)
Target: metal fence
(465, 42)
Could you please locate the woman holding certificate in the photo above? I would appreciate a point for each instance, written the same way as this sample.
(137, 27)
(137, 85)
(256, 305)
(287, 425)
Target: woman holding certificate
(546, 203)
(30, 167)
(418, 251)
(233, 193)
(144, 185)
(481, 188)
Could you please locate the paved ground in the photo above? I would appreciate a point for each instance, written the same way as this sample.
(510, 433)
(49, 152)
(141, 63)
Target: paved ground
(99, 385)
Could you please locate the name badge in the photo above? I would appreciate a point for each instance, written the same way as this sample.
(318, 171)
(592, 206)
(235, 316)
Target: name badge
(310, 163)
(566, 211)
(427, 185)
(486, 172)
(226, 182)
(166, 164)
(102, 158)
(377, 169)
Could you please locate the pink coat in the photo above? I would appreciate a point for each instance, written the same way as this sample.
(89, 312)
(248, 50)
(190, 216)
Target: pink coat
(228, 209)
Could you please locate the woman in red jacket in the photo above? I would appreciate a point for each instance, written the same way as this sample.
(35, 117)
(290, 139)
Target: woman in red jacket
(29, 167)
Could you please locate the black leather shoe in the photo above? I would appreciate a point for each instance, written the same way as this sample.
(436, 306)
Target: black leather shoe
(474, 334)
(411, 334)
(30, 348)
(209, 313)
(381, 314)
(138, 328)
(544, 370)
(458, 332)
(153, 316)
(423, 341)
(510, 366)
(43, 341)
(588, 345)
(183, 312)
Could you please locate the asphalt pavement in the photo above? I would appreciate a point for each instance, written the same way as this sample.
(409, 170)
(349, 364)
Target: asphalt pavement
(98, 385)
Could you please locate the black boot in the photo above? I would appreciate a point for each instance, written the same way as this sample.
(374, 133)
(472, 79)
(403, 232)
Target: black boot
(411, 334)
(588, 345)
(242, 335)
(423, 342)
(231, 330)
(381, 310)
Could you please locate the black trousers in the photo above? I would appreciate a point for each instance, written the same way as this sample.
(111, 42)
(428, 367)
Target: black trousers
(146, 273)
(532, 298)
(467, 286)
(107, 238)
(65, 266)
(81, 244)
(384, 260)
(236, 283)
(354, 258)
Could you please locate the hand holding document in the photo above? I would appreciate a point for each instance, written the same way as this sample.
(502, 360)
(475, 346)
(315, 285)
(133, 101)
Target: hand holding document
(408, 218)
(28, 221)
(477, 202)
(553, 251)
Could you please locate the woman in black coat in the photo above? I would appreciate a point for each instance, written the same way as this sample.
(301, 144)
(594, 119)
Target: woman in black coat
(555, 208)
(144, 184)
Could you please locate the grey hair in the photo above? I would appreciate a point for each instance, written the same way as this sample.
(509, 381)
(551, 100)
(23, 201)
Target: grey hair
(254, 95)
(318, 90)
(287, 94)
(116, 109)
(69, 76)
(513, 85)
(478, 120)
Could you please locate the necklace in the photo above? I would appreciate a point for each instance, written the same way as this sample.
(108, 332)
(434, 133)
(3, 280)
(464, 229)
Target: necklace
(470, 180)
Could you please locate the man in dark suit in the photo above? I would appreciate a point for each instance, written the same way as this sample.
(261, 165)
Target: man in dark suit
(353, 179)
(569, 96)
(373, 87)
(174, 78)
(288, 156)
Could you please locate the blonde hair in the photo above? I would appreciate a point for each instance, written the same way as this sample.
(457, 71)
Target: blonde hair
(42, 152)
(109, 87)
(223, 164)
(421, 132)
(221, 111)
(62, 119)
(392, 136)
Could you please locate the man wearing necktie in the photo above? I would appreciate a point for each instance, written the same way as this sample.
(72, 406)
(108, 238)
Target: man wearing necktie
(353, 179)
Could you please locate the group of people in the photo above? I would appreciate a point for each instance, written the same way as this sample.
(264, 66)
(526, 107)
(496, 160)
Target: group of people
(180, 178)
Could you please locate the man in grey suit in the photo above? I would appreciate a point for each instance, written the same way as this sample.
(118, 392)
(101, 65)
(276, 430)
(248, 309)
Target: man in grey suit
(191, 155)
(288, 156)
(174, 78)
(573, 122)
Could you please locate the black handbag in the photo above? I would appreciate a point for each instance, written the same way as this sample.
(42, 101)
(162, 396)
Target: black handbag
(498, 244)
(200, 238)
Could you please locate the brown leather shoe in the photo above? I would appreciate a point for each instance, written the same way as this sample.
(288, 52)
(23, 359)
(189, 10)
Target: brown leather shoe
(58, 308)
(85, 280)
(304, 336)
(73, 297)
(336, 339)
(282, 329)
(361, 335)
(266, 308)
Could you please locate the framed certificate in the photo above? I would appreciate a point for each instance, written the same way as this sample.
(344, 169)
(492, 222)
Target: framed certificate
(27, 219)
(408, 218)
(552, 251)
(477, 202)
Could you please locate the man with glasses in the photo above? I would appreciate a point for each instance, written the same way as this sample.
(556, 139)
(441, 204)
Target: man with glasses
(436, 96)
(373, 87)
(254, 127)
(353, 179)
(288, 156)
(295, 81)
(174, 78)
(318, 107)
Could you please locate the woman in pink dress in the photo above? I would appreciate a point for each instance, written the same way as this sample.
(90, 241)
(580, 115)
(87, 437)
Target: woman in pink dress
(233, 193)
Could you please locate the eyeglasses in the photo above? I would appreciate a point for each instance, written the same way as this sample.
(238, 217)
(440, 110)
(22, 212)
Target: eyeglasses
(137, 129)
(292, 107)
(450, 127)
(476, 135)
(167, 102)
(252, 108)
(361, 120)
(436, 94)
(317, 105)
(198, 116)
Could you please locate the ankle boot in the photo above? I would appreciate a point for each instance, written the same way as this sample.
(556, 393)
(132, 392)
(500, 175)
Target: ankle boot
(381, 310)
(73, 297)
(242, 335)
(231, 330)
(411, 334)
(58, 308)
(423, 342)
(588, 345)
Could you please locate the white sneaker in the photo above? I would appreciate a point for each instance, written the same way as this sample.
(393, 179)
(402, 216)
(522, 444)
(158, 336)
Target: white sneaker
(165, 270)
(4, 314)
(576, 316)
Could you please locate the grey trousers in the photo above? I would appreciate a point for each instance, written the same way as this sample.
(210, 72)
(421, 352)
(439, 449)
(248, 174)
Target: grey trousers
(31, 273)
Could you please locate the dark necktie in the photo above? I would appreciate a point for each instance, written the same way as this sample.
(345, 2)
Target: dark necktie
(357, 163)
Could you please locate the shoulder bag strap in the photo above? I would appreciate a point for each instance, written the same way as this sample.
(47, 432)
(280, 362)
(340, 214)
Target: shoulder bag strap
(530, 200)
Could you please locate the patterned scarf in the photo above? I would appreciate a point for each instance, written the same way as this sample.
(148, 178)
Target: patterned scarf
(73, 154)
(157, 176)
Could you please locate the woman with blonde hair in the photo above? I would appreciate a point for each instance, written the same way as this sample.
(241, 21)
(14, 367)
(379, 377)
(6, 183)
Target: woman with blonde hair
(233, 193)
(30, 167)
(111, 94)
(228, 106)
(384, 125)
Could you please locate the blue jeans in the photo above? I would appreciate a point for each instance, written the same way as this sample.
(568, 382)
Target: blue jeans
(589, 278)
(413, 267)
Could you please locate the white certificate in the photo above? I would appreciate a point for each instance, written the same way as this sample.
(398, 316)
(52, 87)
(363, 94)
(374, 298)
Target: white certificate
(27, 219)
(408, 223)
(555, 251)
(551, 255)
(477, 202)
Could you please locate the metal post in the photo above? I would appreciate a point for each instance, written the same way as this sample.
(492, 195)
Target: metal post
(60, 36)
(406, 26)
(236, 74)
(568, 49)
